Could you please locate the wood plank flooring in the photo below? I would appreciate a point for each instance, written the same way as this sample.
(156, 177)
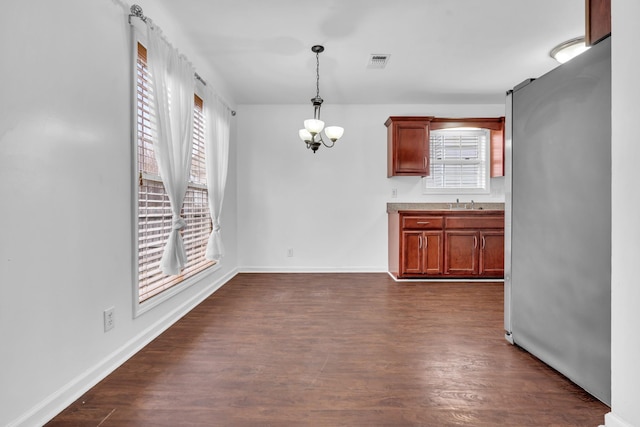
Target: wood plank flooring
(337, 350)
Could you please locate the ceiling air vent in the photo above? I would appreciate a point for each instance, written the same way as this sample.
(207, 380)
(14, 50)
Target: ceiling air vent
(377, 60)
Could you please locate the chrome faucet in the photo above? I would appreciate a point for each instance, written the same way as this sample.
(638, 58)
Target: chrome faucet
(471, 205)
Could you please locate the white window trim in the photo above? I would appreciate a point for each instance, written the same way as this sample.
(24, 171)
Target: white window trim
(455, 191)
(143, 307)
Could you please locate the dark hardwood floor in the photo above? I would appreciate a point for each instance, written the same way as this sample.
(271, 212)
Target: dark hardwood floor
(337, 350)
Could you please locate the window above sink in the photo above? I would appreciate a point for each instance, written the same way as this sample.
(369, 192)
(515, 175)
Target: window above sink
(464, 154)
(459, 160)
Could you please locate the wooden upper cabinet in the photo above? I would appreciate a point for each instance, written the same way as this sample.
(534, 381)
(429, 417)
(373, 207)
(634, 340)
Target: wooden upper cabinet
(497, 151)
(598, 20)
(407, 146)
(408, 142)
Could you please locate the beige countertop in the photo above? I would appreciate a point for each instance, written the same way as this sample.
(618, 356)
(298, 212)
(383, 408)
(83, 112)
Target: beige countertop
(395, 207)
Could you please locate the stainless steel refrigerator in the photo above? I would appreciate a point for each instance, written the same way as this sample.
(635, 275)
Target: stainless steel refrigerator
(558, 219)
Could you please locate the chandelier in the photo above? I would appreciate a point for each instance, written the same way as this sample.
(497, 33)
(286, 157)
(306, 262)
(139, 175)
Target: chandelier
(311, 134)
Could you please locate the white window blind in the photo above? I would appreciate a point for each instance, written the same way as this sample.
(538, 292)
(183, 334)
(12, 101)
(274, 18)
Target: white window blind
(459, 160)
(154, 211)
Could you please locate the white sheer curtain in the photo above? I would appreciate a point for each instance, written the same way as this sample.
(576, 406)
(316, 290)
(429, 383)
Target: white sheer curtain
(218, 117)
(173, 86)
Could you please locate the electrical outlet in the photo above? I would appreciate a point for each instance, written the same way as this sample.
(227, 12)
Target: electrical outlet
(394, 192)
(290, 252)
(109, 319)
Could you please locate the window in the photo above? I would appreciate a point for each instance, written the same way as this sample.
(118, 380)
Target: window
(154, 211)
(459, 160)
(464, 153)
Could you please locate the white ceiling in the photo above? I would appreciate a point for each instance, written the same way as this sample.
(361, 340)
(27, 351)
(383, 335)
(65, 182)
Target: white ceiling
(442, 51)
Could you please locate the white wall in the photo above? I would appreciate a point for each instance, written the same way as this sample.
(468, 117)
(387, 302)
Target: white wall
(330, 207)
(65, 216)
(625, 284)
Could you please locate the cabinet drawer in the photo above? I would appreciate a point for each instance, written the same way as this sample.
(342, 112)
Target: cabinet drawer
(422, 222)
(465, 222)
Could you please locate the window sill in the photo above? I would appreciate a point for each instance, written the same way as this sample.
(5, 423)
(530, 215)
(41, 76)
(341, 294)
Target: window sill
(143, 307)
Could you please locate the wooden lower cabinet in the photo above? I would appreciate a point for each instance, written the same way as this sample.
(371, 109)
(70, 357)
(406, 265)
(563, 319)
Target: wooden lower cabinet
(474, 253)
(461, 253)
(491, 253)
(422, 252)
(446, 244)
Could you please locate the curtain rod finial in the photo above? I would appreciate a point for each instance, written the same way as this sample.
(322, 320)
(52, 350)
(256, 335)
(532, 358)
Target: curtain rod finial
(136, 11)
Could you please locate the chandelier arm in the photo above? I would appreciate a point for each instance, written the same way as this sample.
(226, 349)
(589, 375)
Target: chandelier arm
(325, 144)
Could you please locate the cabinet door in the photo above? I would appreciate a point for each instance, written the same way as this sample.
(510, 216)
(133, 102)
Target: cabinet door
(598, 20)
(411, 257)
(433, 246)
(409, 148)
(461, 252)
(492, 253)
(422, 253)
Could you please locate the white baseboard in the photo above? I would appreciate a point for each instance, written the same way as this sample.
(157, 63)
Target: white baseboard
(612, 420)
(446, 280)
(69, 393)
(312, 270)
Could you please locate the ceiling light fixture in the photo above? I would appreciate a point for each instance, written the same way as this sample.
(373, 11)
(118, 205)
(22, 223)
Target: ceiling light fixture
(313, 127)
(568, 50)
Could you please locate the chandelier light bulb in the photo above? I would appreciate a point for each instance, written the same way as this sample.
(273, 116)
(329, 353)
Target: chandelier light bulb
(334, 133)
(305, 135)
(314, 126)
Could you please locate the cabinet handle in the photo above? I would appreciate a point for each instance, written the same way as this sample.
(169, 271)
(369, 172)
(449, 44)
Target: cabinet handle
(420, 242)
(483, 242)
(475, 242)
(425, 161)
(423, 222)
